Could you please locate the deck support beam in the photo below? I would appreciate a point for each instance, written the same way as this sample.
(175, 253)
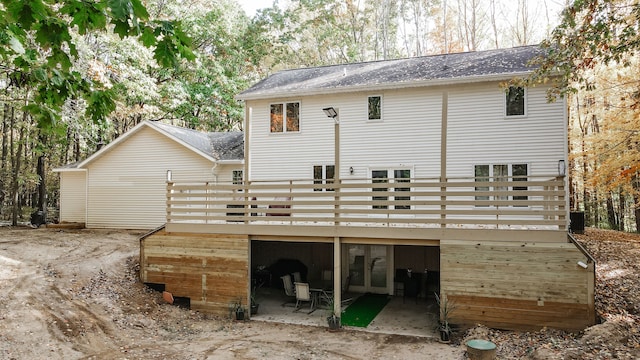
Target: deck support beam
(337, 277)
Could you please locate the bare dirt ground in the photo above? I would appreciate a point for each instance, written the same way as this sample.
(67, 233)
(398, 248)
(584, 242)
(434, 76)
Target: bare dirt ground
(74, 294)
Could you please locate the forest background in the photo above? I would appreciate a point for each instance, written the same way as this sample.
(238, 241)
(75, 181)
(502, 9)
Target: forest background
(76, 74)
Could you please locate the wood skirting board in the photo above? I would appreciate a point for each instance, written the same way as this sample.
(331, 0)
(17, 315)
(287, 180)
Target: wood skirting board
(512, 285)
(518, 285)
(211, 270)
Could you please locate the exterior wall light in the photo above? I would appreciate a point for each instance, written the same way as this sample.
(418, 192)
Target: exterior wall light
(562, 169)
(330, 112)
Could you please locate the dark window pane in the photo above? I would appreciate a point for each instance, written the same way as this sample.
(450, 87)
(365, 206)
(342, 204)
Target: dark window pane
(293, 116)
(481, 173)
(515, 101)
(402, 176)
(317, 175)
(330, 175)
(520, 173)
(276, 118)
(375, 107)
(379, 176)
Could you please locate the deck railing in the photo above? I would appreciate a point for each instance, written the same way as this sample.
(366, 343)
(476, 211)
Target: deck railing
(537, 203)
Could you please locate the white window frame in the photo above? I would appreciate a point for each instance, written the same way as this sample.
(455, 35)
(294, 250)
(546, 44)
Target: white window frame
(509, 176)
(392, 185)
(381, 107)
(284, 117)
(525, 100)
(324, 179)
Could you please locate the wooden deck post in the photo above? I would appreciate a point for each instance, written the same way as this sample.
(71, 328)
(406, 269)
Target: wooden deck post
(337, 277)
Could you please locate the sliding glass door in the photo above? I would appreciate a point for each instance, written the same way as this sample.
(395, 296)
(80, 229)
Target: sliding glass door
(368, 268)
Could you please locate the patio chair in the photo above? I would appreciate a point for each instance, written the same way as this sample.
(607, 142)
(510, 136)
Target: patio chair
(297, 277)
(327, 278)
(303, 294)
(345, 290)
(288, 289)
(325, 297)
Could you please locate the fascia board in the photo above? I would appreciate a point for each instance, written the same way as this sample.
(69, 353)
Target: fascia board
(390, 86)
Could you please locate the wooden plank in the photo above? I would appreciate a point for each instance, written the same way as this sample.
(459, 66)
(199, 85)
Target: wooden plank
(381, 232)
(210, 270)
(519, 314)
(517, 285)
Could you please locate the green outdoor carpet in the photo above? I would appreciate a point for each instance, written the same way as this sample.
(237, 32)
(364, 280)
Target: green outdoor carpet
(362, 311)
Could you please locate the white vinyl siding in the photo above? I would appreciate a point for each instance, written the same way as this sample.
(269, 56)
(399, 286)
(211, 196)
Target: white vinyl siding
(408, 136)
(127, 185)
(410, 133)
(479, 133)
(73, 196)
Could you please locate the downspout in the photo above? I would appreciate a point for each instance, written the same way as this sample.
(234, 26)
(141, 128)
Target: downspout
(214, 172)
(86, 198)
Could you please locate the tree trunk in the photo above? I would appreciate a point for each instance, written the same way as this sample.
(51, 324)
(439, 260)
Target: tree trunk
(622, 212)
(41, 172)
(3, 155)
(15, 194)
(42, 188)
(636, 212)
(611, 213)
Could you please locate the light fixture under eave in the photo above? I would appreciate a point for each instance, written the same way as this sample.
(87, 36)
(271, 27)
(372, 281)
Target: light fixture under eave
(330, 112)
(562, 169)
(351, 170)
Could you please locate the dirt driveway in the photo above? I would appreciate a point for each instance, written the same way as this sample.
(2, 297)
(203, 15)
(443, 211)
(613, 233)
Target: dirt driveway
(74, 294)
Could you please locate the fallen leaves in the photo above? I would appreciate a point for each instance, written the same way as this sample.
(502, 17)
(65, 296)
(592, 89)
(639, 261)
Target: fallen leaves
(617, 303)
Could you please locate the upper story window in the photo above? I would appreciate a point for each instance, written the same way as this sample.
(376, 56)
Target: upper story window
(515, 101)
(375, 107)
(285, 117)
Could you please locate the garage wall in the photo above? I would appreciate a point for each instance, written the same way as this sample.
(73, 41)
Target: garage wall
(73, 199)
(127, 185)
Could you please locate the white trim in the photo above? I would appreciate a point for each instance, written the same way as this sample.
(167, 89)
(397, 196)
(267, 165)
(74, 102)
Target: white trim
(381, 108)
(230, 162)
(130, 133)
(526, 107)
(73, 169)
(284, 117)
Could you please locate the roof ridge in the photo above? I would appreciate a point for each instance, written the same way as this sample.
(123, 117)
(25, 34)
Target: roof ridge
(412, 57)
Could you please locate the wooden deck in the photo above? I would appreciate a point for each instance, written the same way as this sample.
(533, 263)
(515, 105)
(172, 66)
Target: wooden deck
(505, 257)
(416, 209)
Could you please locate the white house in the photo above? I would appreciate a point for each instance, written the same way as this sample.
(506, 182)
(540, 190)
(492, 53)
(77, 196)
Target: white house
(370, 169)
(123, 185)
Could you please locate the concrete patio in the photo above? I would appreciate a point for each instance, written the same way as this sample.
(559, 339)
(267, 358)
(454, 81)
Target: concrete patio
(401, 316)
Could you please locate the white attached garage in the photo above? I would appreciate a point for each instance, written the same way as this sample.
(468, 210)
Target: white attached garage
(123, 185)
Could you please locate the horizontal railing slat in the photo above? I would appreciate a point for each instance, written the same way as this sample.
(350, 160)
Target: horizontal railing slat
(418, 202)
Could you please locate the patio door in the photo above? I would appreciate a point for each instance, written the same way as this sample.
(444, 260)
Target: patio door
(369, 268)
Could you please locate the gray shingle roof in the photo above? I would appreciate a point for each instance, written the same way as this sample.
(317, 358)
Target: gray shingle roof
(220, 146)
(415, 71)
